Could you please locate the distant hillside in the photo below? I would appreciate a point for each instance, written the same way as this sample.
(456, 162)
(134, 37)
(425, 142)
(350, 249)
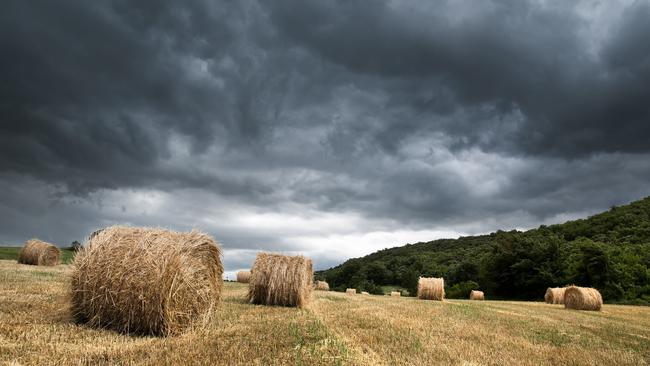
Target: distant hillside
(609, 251)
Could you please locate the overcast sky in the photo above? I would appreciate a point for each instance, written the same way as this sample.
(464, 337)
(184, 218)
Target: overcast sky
(327, 128)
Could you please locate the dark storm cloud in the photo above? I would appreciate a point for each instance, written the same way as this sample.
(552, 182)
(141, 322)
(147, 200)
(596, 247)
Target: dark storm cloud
(512, 56)
(97, 88)
(241, 116)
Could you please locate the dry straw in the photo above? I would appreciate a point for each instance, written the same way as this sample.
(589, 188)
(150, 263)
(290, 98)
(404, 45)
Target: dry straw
(351, 291)
(364, 293)
(146, 281)
(430, 288)
(582, 298)
(554, 295)
(395, 293)
(243, 276)
(322, 286)
(280, 280)
(39, 253)
(476, 295)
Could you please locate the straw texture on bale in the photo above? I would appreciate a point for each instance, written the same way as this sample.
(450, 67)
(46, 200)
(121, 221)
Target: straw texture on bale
(476, 295)
(395, 293)
(582, 298)
(364, 293)
(351, 291)
(243, 276)
(554, 295)
(146, 281)
(39, 253)
(322, 286)
(280, 280)
(95, 233)
(430, 288)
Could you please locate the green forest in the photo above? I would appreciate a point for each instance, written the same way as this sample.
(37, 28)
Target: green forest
(609, 251)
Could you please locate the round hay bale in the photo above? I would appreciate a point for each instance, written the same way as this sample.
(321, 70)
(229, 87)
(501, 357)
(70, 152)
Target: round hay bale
(146, 281)
(280, 280)
(364, 293)
(582, 298)
(395, 293)
(476, 295)
(351, 291)
(243, 276)
(430, 288)
(322, 286)
(95, 233)
(39, 253)
(554, 295)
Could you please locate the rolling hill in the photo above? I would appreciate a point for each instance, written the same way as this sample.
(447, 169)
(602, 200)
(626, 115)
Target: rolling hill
(609, 251)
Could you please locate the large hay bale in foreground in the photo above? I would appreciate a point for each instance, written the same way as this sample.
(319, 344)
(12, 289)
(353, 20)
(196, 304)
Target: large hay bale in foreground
(395, 293)
(351, 291)
(430, 288)
(39, 253)
(476, 295)
(146, 281)
(243, 276)
(280, 280)
(322, 286)
(582, 298)
(554, 295)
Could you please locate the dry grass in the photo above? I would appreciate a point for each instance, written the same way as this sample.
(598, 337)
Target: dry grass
(243, 276)
(321, 286)
(280, 280)
(351, 291)
(582, 298)
(406, 331)
(476, 295)
(39, 253)
(554, 295)
(146, 281)
(36, 328)
(430, 288)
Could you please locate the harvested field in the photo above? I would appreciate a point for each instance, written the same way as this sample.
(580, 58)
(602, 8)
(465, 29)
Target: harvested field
(36, 328)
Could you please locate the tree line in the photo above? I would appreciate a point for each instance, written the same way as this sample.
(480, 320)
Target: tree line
(609, 251)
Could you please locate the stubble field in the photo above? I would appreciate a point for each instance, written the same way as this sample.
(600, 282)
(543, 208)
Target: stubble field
(36, 328)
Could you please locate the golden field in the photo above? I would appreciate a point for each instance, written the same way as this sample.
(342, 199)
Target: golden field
(36, 328)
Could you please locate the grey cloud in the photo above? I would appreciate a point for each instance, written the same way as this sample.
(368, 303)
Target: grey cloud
(504, 57)
(100, 88)
(418, 116)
